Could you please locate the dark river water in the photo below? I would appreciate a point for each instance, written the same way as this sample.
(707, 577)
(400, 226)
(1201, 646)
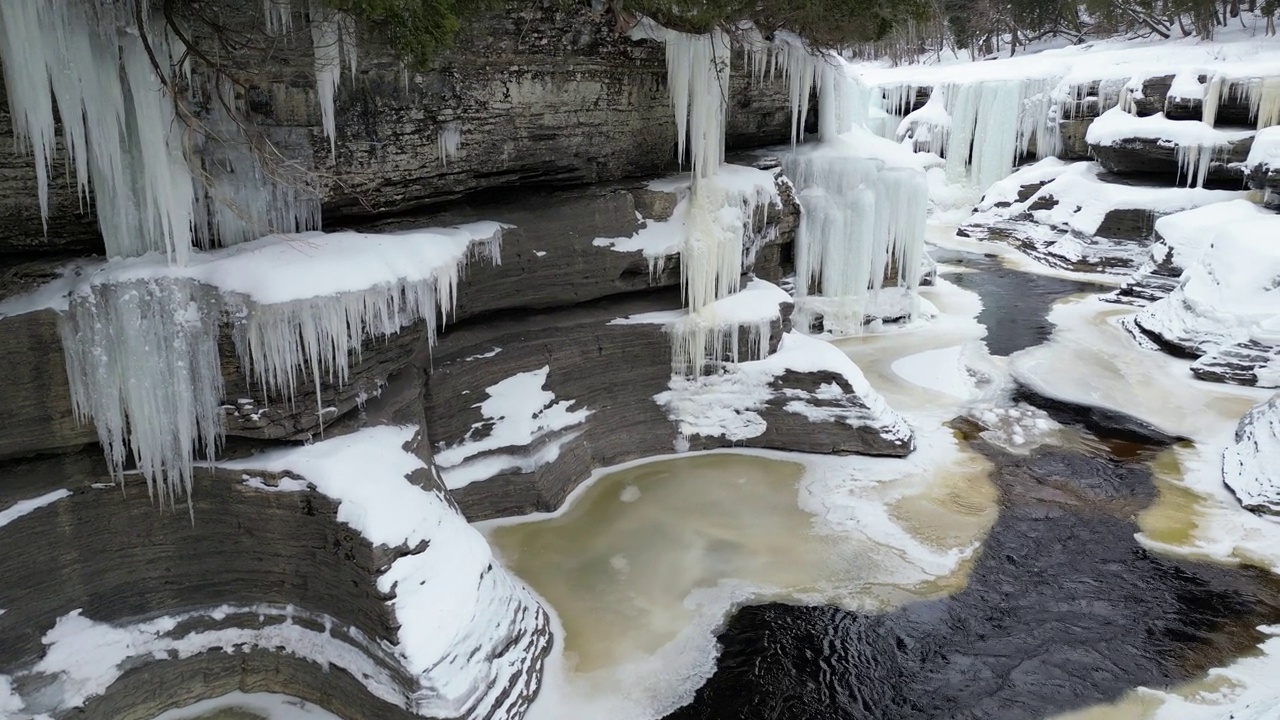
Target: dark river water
(1063, 609)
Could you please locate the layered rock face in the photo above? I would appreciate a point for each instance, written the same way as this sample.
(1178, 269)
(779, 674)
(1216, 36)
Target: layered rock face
(351, 555)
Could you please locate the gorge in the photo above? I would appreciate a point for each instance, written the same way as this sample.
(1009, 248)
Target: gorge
(595, 368)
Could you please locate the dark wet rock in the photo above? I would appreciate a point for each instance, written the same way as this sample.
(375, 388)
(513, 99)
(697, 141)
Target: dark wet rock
(1103, 422)
(1251, 466)
(1071, 134)
(1062, 610)
(1248, 362)
(1145, 156)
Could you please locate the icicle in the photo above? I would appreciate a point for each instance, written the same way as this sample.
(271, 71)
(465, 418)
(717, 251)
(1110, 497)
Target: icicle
(327, 40)
(1264, 101)
(1212, 99)
(277, 16)
(119, 126)
(448, 138)
(142, 361)
(1194, 162)
(698, 83)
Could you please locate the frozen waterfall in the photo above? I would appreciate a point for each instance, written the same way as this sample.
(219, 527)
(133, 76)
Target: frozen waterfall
(85, 68)
(141, 338)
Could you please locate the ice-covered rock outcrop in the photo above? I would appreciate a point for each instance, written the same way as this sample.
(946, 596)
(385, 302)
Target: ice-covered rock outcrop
(1190, 151)
(1251, 466)
(1075, 217)
(1181, 239)
(1225, 305)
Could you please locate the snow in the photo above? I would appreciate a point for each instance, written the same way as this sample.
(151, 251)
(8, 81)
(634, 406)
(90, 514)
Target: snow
(1091, 360)
(1186, 86)
(1185, 235)
(1251, 465)
(728, 404)
(23, 508)
(10, 702)
(283, 485)
(83, 657)
(270, 706)
(451, 602)
(1228, 291)
(941, 370)
(140, 335)
(519, 412)
(1198, 144)
(1084, 199)
(1265, 152)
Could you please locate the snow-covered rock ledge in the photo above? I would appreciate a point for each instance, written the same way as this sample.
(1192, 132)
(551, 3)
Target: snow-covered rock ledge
(600, 390)
(1188, 152)
(1071, 216)
(338, 572)
(1225, 307)
(1251, 466)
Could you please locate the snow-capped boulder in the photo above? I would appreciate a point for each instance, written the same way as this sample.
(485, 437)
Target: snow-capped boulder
(1251, 466)
(1180, 240)
(1225, 306)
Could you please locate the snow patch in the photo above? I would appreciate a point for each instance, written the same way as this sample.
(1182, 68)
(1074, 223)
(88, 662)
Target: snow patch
(23, 508)
(1251, 465)
(519, 412)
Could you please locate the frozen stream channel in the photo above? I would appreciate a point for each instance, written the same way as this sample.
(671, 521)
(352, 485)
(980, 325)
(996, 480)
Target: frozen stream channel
(774, 585)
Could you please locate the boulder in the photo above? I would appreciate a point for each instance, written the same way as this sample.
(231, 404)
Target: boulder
(1249, 466)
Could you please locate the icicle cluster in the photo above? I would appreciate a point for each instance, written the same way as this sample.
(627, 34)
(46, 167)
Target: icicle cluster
(142, 360)
(142, 354)
(118, 125)
(449, 138)
(1262, 94)
(992, 124)
(84, 64)
(863, 223)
